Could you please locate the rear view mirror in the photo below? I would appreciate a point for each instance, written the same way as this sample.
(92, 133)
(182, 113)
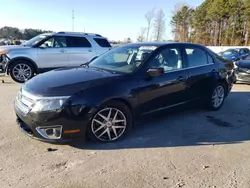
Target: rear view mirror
(155, 72)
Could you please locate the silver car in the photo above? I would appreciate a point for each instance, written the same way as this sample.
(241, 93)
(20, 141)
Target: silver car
(50, 51)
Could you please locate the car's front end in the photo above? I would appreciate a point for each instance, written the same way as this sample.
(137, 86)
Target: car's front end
(8, 54)
(242, 71)
(53, 106)
(4, 59)
(49, 119)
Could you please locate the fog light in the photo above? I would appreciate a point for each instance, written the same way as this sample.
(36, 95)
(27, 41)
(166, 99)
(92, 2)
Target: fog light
(52, 132)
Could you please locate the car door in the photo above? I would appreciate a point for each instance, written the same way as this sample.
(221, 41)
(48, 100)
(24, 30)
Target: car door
(80, 50)
(53, 53)
(201, 71)
(169, 89)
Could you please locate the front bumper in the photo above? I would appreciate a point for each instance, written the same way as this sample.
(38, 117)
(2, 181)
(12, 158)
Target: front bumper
(243, 77)
(30, 122)
(3, 63)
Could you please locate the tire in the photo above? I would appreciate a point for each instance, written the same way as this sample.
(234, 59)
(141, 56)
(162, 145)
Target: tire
(23, 76)
(101, 130)
(220, 91)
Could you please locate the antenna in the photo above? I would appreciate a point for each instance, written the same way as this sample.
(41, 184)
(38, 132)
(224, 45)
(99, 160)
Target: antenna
(73, 17)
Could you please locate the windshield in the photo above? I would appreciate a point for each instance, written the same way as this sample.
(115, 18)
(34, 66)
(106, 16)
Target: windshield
(34, 40)
(123, 59)
(229, 52)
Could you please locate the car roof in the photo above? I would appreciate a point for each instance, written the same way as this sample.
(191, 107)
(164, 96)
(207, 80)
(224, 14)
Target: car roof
(65, 33)
(158, 44)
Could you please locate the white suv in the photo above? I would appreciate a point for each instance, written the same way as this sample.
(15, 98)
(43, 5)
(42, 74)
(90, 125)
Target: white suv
(50, 51)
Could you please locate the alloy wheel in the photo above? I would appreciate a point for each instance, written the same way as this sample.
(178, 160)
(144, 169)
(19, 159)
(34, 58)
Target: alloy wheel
(108, 124)
(22, 72)
(218, 96)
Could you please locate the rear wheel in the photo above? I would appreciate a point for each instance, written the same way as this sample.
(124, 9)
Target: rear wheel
(217, 97)
(21, 71)
(111, 122)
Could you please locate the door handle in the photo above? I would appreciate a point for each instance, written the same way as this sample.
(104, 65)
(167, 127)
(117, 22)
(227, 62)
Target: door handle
(62, 51)
(90, 50)
(181, 78)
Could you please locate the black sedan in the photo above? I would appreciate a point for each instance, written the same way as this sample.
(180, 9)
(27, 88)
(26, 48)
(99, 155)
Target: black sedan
(104, 98)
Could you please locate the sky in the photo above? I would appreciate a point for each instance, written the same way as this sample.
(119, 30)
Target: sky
(113, 19)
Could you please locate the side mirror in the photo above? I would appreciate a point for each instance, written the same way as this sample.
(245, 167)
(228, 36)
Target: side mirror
(155, 72)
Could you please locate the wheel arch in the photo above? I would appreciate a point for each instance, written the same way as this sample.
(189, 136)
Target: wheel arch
(125, 102)
(12, 61)
(225, 83)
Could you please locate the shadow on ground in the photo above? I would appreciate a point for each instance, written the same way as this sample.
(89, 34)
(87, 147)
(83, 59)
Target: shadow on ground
(188, 126)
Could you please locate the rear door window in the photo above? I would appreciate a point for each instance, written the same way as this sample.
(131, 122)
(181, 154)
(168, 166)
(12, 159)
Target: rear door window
(79, 42)
(102, 42)
(198, 57)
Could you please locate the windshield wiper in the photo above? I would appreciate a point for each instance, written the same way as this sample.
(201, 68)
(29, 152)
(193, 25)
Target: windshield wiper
(85, 65)
(104, 70)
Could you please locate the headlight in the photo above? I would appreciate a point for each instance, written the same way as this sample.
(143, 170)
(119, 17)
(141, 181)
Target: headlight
(233, 57)
(49, 104)
(4, 52)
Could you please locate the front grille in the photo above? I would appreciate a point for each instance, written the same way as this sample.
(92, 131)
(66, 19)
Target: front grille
(25, 101)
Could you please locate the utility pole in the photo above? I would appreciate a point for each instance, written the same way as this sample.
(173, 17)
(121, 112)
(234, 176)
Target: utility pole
(73, 17)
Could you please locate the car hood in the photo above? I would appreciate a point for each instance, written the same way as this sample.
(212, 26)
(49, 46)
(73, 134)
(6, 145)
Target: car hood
(68, 81)
(12, 47)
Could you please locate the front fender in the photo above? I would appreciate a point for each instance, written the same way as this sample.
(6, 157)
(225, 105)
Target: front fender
(88, 101)
(13, 60)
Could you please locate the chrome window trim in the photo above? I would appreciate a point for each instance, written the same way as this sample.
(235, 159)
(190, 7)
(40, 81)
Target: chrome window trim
(187, 68)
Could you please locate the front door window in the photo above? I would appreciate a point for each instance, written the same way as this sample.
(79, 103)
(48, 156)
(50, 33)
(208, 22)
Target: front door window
(169, 59)
(55, 42)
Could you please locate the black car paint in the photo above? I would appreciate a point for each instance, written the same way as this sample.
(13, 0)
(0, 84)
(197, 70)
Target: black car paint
(90, 88)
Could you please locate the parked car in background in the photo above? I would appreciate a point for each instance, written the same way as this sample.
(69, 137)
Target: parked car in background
(242, 71)
(234, 54)
(102, 99)
(247, 57)
(50, 51)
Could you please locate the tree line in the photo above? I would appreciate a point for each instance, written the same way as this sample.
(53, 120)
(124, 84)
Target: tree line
(15, 33)
(155, 29)
(214, 22)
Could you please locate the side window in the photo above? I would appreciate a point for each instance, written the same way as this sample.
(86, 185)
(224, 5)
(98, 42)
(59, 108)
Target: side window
(79, 42)
(196, 57)
(241, 52)
(102, 42)
(169, 59)
(210, 59)
(60, 42)
(55, 42)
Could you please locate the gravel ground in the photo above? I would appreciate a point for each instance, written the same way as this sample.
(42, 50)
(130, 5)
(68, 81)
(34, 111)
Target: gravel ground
(189, 148)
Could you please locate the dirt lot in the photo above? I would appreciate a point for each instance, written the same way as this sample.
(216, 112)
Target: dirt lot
(191, 148)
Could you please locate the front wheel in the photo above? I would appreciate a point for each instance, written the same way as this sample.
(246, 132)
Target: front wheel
(110, 123)
(21, 71)
(217, 97)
